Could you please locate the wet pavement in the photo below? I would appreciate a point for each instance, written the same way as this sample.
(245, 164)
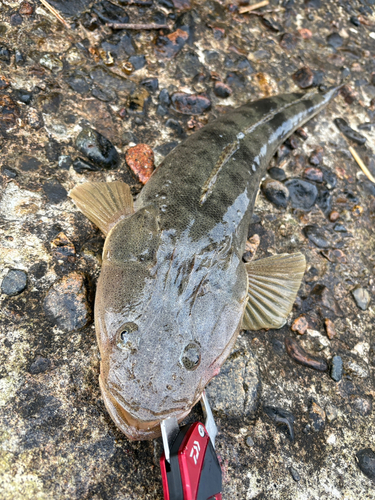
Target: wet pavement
(294, 406)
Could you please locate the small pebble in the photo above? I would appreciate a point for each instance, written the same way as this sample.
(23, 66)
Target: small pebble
(334, 216)
(55, 192)
(140, 159)
(330, 328)
(316, 235)
(354, 20)
(366, 462)
(97, 148)
(301, 133)
(40, 365)
(316, 156)
(300, 325)
(190, 104)
(288, 41)
(9, 172)
(367, 125)
(317, 416)
(249, 441)
(336, 368)
(66, 304)
(300, 356)
(277, 173)
(347, 130)
(4, 54)
(80, 165)
(26, 9)
(335, 40)
(304, 77)
(151, 84)
(168, 46)
(251, 247)
(222, 90)
(275, 192)
(361, 297)
(14, 282)
(164, 98)
(313, 174)
(295, 475)
(303, 194)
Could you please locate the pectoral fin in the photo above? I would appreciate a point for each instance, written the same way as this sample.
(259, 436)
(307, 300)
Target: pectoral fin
(273, 286)
(104, 203)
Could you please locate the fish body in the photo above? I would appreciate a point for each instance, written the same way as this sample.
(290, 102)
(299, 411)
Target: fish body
(174, 291)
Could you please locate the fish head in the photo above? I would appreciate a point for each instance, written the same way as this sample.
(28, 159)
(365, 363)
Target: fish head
(166, 319)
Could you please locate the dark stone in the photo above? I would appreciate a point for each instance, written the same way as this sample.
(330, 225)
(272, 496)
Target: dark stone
(166, 148)
(347, 130)
(14, 282)
(151, 84)
(222, 90)
(109, 12)
(282, 418)
(66, 304)
(4, 54)
(78, 82)
(324, 200)
(340, 228)
(317, 236)
(65, 162)
(322, 298)
(29, 164)
(317, 416)
(105, 78)
(105, 95)
(188, 104)
(211, 56)
(316, 156)
(16, 20)
(138, 62)
(288, 41)
(51, 102)
(169, 46)
(91, 23)
(336, 368)
(175, 125)
(97, 148)
(71, 8)
(164, 98)
(275, 192)
(126, 47)
(81, 166)
(313, 4)
(55, 192)
(40, 365)
(239, 63)
(234, 79)
(330, 178)
(313, 174)
(53, 150)
(168, 4)
(277, 173)
(366, 462)
(161, 110)
(295, 474)
(23, 96)
(302, 194)
(189, 63)
(271, 24)
(302, 357)
(366, 126)
(335, 40)
(9, 172)
(304, 77)
(19, 58)
(354, 20)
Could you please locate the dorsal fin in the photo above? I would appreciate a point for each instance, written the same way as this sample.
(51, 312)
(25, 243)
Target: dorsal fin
(104, 203)
(273, 286)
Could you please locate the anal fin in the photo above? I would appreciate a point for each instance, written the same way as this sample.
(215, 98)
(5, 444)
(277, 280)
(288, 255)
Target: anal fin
(273, 287)
(104, 203)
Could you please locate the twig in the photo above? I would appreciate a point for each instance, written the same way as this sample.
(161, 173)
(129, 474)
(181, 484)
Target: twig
(124, 26)
(358, 159)
(55, 13)
(249, 8)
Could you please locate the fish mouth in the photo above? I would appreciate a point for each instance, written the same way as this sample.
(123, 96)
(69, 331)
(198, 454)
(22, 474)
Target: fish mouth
(134, 429)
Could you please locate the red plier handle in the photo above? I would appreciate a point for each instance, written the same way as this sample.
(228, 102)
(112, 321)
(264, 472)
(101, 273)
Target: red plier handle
(189, 466)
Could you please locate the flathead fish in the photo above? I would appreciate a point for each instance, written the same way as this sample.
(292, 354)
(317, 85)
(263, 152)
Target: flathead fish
(174, 292)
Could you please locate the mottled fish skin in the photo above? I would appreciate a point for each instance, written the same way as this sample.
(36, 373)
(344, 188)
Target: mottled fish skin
(178, 259)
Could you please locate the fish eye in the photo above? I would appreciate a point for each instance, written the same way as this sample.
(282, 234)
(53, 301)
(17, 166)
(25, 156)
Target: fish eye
(191, 356)
(125, 338)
